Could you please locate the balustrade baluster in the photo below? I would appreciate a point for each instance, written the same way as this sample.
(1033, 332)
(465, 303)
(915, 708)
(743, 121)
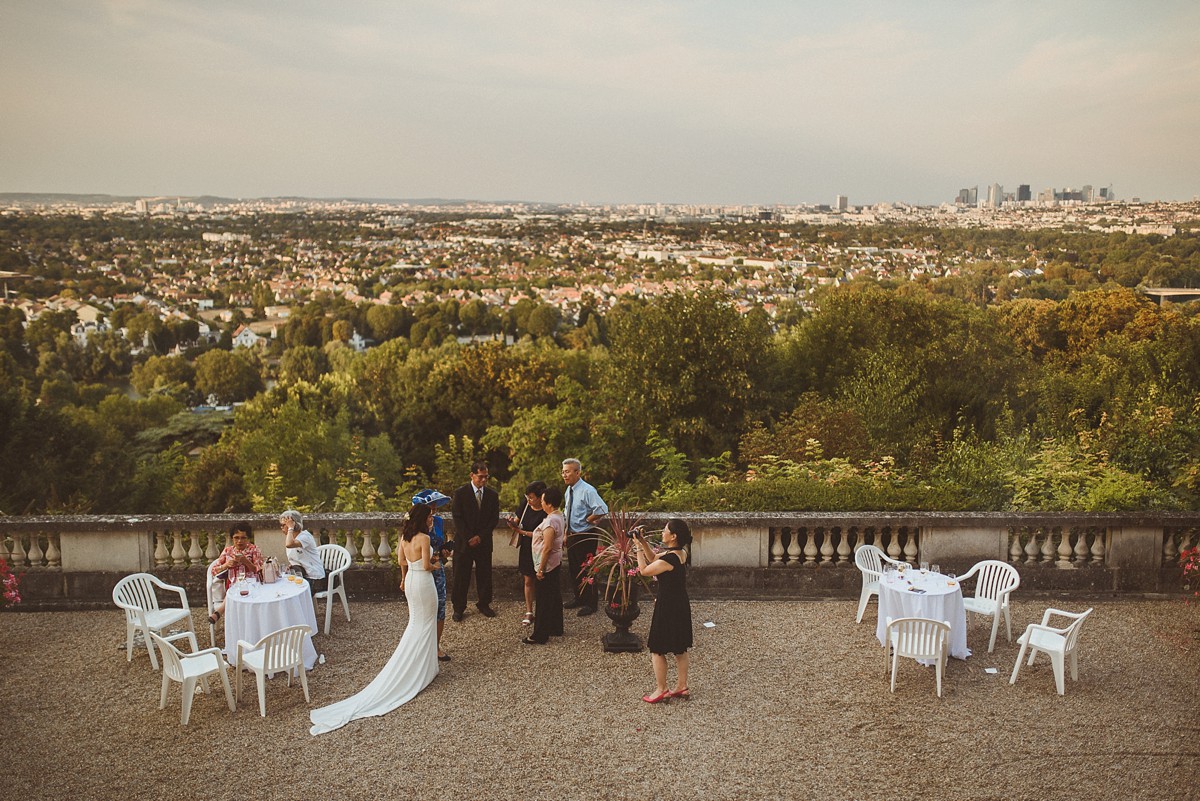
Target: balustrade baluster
(160, 549)
(1032, 549)
(370, 555)
(844, 551)
(177, 553)
(1187, 539)
(1099, 537)
(210, 548)
(893, 549)
(1082, 552)
(35, 552)
(777, 550)
(810, 547)
(1169, 553)
(194, 554)
(53, 555)
(827, 547)
(16, 553)
(1016, 554)
(1064, 548)
(385, 547)
(911, 549)
(1048, 549)
(795, 553)
(352, 545)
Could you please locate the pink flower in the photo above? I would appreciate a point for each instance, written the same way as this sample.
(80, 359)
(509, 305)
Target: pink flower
(633, 571)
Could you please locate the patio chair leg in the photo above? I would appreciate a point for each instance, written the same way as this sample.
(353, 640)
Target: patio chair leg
(228, 692)
(150, 648)
(262, 693)
(1056, 661)
(189, 692)
(995, 626)
(1017, 664)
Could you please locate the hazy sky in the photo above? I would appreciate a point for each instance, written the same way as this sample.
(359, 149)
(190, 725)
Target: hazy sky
(607, 101)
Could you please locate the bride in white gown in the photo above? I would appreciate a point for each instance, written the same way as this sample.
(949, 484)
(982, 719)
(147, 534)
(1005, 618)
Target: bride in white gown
(414, 663)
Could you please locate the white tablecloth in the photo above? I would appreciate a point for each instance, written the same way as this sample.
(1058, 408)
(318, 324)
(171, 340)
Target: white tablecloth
(941, 601)
(268, 608)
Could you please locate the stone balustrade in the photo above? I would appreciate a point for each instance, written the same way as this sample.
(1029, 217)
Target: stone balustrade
(77, 559)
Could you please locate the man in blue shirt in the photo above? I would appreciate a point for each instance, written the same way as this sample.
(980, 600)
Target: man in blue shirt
(582, 508)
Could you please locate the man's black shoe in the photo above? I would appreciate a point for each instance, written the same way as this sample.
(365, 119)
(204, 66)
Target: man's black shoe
(485, 610)
(573, 604)
(458, 616)
(584, 611)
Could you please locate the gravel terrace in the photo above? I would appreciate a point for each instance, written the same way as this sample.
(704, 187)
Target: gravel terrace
(790, 700)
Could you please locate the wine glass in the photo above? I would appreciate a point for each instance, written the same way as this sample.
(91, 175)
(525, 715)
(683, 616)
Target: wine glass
(924, 568)
(937, 569)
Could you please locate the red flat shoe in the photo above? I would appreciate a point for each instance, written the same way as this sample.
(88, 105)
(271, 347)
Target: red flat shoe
(684, 694)
(665, 695)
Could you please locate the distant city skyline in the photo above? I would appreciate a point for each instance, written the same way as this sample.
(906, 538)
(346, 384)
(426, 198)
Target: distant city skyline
(600, 102)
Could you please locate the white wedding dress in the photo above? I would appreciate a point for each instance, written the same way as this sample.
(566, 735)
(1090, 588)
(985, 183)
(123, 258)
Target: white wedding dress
(413, 665)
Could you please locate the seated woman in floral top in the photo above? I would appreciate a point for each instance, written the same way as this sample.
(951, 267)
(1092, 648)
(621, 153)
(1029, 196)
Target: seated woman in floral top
(240, 559)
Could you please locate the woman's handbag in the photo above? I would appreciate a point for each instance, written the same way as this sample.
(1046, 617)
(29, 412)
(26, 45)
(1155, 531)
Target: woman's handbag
(270, 572)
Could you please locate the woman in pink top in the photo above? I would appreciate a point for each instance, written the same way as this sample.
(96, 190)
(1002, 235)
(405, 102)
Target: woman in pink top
(547, 559)
(240, 559)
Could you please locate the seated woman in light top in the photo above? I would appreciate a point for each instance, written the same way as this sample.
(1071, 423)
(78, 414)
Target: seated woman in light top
(302, 549)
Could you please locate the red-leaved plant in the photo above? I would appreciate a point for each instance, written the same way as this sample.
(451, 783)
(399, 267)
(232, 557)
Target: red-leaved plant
(615, 561)
(9, 586)
(1190, 560)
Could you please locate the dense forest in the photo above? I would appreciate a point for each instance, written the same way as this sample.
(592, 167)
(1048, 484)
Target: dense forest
(881, 395)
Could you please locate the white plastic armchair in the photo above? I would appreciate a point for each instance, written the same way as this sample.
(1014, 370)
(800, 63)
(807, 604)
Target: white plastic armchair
(1058, 644)
(279, 650)
(187, 670)
(994, 583)
(918, 638)
(336, 560)
(136, 595)
(870, 561)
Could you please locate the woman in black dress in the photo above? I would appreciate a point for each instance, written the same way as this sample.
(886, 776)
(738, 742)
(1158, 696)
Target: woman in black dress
(528, 518)
(671, 627)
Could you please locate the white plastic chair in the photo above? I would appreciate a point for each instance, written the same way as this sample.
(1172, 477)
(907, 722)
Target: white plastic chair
(215, 591)
(135, 594)
(336, 560)
(870, 562)
(994, 583)
(1056, 643)
(279, 650)
(918, 638)
(187, 669)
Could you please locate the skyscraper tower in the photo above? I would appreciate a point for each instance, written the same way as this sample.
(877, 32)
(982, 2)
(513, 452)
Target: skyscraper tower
(841, 203)
(995, 195)
(1023, 193)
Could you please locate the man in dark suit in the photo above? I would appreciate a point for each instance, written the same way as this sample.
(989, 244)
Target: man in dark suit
(476, 512)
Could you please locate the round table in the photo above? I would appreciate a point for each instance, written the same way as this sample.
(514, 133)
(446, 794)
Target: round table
(940, 600)
(268, 608)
